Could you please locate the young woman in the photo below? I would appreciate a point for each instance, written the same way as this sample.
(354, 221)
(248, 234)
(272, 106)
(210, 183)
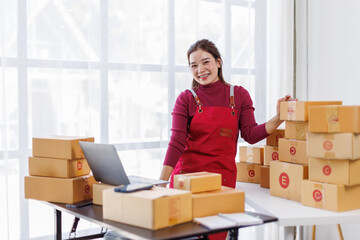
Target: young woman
(207, 120)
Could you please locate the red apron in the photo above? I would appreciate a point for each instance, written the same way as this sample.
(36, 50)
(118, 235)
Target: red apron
(212, 142)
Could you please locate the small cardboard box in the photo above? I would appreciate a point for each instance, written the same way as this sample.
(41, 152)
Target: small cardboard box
(226, 200)
(152, 209)
(293, 151)
(296, 130)
(198, 181)
(299, 110)
(273, 138)
(248, 172)
(61, 190)
(57, 167)
(331, 197)
(59, 147)
(98, 192)
(265, 176)
(285, 179)
(251, 154)
(335, 171)
(334, 119)
(271, 153)
(333, 145)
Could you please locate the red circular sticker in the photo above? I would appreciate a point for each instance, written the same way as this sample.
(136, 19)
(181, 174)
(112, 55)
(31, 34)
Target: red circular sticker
(275, 156)
(284, 180)
(327, 170)
(251, 173)
(327, 145)
(79, 165)
(181, 184)
(292, 150)
(333, 119)
(290, 110)
(317, 195)
(87, 188)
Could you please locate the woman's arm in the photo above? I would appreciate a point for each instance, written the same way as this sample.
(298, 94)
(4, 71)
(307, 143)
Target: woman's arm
(166, 172)
(275, 122)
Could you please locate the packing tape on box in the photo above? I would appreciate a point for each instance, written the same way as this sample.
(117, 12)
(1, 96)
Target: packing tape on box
(333, 119)
(319, 195)
(291, 111)
(300, 132)
(293, 151)
(174, 210)
(327, 145)
(249, 154)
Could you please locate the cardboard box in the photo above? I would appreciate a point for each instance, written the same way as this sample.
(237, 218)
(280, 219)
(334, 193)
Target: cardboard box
(271, 153)
(251, 154)
(151, 209)
(226, 200)
(56, 167)
(198, 181)
(98, 192)
(293, 151)
(335, 171)
(59, 147)
(333, 145)
(248, 172)
(299, 110)
(334, 119)
(61, 190)
(285, 179)
(265, 176)
(296, 130)
(331, 197)
(273, 138)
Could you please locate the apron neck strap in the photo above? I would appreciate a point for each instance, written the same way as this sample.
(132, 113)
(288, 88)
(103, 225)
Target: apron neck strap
(232, 99)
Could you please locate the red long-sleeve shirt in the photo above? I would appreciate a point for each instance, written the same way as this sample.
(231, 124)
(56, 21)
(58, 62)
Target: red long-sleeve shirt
(215, 94)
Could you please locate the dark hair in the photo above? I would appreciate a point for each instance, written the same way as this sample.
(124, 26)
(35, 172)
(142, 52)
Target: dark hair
(209, 47)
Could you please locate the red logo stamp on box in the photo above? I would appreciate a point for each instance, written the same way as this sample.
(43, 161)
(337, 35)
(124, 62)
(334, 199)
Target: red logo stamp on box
(292, 150)
(317, 195)
(79, 165)
(327, 170)
(290, 110)
(87, 188)
(275, 156)
(181, 184)
(284, 180)
(333, 119)
(251, 173)
(327, 145)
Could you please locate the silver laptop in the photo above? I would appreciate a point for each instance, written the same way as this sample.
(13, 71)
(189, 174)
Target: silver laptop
(106, 165)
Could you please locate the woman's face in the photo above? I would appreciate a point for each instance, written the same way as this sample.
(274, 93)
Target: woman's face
(204, 67)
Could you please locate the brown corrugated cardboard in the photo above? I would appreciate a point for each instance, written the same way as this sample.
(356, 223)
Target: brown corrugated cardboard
(57, 167)
(296, 130)
(333, 145)
(251, 154)
(226, 200)
(335, 171)
(59, 147)
(271, 153)
(285, 179)
(273, 138)
(331, 197)
(198, 181)
(293, 151)
(334, 119)
(265, 176)
(298, 110)
(97, 192)
(61, 190)
(248, 172)
(151, 209)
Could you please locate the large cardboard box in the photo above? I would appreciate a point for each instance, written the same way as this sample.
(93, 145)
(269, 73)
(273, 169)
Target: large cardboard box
(57, 167)
(152, 209)
(271, 153)
(293, 151)
(334, 119)
(59, 147)
(273, 138)
(336, 171)
(61, 190)
(225, 200)
(251, 154)
(198, 181)
(299, 110)
(285, 179)
(331, 197)
(98, 189)
(265, 176)
(296, 130)
(248, 172)
(333, 145)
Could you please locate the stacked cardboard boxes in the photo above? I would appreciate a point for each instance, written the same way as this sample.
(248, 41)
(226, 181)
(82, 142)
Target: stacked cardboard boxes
(334, 158)
(58, 171)
(287, 174)
(251, 158)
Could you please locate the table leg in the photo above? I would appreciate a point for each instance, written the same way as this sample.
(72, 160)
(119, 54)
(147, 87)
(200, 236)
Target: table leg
(58, 225)
(289, 233)
(300, 233)
(234, 234)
